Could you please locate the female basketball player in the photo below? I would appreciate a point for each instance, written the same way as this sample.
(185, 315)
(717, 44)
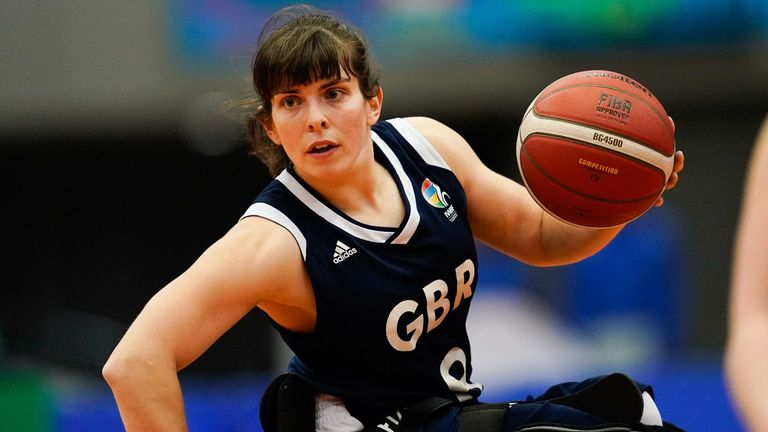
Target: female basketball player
(747, 346)
(361, 252)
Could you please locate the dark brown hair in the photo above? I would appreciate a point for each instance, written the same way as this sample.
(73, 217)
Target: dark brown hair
(299, 45)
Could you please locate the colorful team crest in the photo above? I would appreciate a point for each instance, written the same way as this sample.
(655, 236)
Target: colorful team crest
(434, 196)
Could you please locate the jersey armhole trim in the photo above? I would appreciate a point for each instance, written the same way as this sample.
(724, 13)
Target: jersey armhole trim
(268, 212)
(419, 143)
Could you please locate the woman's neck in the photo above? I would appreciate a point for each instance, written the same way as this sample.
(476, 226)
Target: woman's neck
(370, 196)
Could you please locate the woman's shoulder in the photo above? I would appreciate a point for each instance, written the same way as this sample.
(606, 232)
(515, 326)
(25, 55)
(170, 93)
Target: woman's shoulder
(451, 146)
(263, 254)
(440, 135)
(428, 126)
(256, 235)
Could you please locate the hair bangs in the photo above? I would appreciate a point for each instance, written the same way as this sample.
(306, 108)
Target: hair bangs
(306, 58)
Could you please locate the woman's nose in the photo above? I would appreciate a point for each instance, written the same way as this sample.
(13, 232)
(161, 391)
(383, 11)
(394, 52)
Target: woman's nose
(316, 118)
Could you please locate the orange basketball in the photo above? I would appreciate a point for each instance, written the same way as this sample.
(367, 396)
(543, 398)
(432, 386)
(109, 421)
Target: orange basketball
(596, 148)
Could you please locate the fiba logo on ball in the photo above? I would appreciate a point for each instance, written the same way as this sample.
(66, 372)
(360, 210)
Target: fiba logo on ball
(613, 107)
(595, 149)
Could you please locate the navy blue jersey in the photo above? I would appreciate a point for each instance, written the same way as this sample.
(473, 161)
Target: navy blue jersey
(391, 303)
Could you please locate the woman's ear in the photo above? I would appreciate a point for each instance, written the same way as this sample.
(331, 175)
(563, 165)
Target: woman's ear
(374, 105)
(269, 128)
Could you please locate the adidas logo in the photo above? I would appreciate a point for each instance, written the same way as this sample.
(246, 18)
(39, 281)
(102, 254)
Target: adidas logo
(342, 252)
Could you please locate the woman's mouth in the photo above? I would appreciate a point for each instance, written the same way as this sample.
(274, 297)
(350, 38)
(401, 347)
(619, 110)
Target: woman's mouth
(322, 148)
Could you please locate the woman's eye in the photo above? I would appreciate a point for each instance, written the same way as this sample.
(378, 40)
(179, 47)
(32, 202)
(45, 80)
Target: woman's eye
(334, 94)
(289, 102)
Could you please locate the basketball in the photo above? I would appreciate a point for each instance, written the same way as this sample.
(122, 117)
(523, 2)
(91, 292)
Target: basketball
(595, 149)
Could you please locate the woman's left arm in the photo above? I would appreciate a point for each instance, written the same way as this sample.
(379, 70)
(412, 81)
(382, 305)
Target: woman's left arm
(503, 214)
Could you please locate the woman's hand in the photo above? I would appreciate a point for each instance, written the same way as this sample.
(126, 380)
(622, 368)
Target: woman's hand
(674, 177)
(677, 167)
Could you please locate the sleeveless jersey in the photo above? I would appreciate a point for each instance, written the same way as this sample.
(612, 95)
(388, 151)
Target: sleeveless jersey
(391, 303)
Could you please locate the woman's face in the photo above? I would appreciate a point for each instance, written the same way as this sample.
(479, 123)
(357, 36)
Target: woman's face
(324, 126)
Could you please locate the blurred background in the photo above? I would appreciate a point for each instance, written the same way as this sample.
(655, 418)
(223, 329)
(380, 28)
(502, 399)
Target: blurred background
(120, 166)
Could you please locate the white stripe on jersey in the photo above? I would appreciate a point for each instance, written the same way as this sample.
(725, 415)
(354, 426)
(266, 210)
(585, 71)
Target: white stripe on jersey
(293, 185)
(268, 212)
(419, 143)
(413, 216)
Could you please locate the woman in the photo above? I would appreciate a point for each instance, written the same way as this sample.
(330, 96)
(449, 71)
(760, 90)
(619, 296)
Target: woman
(361, 251)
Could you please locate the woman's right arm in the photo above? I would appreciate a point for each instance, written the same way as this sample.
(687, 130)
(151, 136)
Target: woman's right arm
(257, 263)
